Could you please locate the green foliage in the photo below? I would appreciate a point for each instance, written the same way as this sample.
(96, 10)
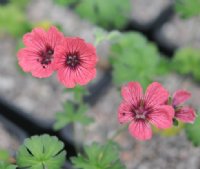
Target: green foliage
(4, 155)
(13, 21)
(71, 114)
(101, 35)
(192, 132)
(134, 59)
(4, 165)
(19, 3)
(187, 8)
(112, 13)
(78, 92)
(99, 157)
(186, 61)
(4, 160)
(39, 152)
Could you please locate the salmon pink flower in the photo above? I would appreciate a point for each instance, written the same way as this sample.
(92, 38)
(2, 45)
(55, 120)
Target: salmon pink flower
(184, 113)
(38, 55)
(142, 110)
(75, 61)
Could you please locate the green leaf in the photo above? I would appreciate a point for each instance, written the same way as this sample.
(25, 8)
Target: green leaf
(39, 152)
(79, 92)
(113, 13)
(13, 21)
(134, 59)
(101, 35)
(99, 157)
(4, 165)
(192, 132)
(71, 114)
(187, 8)
(186, 61)
(4, 155)
(19, 3)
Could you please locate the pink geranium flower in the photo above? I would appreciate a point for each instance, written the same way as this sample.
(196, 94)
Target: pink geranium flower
(183, 113)
(142, 110)
(38, 55)
(75, 61)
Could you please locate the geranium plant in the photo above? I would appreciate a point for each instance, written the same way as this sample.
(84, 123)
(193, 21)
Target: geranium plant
(74, 60)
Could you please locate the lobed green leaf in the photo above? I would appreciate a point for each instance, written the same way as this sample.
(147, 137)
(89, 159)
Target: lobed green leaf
(39, 152)
(99, 157)
(134, 59)
(72, 114)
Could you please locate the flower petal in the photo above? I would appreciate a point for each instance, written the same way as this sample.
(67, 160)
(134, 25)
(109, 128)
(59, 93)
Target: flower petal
(140, 129)
(27, 39)
(54, 36)
(124, 113)
(66, 77)
(132, 93)
(180, 97)
(83, 76)
(155, 95)
(162, 117)
(84, 71)
(186, 114)
(36, 39)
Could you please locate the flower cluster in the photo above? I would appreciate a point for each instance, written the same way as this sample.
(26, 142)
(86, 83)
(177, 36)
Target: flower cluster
(46, 52)
(153, 107)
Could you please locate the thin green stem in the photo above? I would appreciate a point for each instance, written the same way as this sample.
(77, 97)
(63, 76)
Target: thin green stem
(118, 132)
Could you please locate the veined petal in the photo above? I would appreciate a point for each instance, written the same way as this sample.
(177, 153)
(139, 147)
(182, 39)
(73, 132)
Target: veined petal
(66, 77)
(132, 93)
(83, 75)
(162, 117)
(141, 130)
(54, 37)
(124, 113)
(155, 95)
(180, 97)
(186, 114)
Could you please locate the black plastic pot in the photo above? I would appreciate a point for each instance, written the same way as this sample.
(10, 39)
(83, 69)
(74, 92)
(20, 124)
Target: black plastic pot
(13, 129)
(96, 90)
(164, 44)
(165, 15)
(24, 120)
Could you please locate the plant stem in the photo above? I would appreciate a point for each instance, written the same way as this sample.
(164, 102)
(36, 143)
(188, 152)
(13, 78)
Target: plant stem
(119, 131)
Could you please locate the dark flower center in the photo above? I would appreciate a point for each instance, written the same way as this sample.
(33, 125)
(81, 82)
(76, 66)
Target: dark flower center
(73, 60)
(46, 57)
(140, 112)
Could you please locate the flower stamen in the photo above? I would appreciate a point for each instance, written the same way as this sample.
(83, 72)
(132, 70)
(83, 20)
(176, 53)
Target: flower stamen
(72, 60)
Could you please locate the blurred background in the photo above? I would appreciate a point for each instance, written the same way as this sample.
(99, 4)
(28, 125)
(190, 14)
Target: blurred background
(138, 40)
